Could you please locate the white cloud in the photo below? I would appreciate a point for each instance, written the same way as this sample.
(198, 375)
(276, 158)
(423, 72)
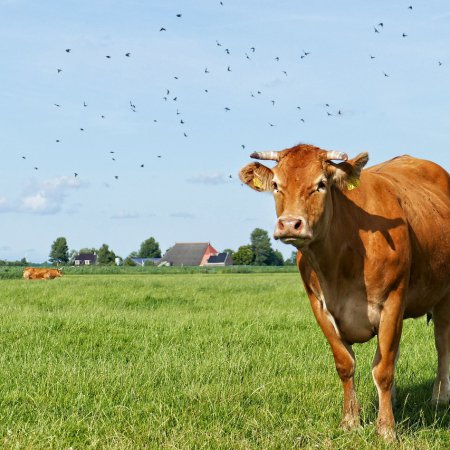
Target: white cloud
(209, 179)
(48, 196)
(45, 197)
(4, 206)
(37, 203)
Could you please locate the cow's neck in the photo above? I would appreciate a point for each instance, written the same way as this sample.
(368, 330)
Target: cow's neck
(324, 253)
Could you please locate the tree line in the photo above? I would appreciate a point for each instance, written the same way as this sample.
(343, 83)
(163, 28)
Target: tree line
(258, 252)
(60, 254)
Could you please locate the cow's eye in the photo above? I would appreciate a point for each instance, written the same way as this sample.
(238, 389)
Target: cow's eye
(274, 186)
(321, 186)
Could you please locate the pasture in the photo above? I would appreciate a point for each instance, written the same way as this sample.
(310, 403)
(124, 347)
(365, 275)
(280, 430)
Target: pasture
(211, 360)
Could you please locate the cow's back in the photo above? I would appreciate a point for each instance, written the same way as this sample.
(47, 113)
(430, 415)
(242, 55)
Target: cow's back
(423, 191)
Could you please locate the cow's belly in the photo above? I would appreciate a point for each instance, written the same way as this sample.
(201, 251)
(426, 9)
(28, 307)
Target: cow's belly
(356, 319)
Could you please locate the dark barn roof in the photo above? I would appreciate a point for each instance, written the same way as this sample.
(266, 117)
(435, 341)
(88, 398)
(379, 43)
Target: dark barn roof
(218, 259)
(86, 257)
(186, 254)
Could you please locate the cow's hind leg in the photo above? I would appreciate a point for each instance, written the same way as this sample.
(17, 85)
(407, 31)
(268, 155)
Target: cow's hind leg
(441, 319)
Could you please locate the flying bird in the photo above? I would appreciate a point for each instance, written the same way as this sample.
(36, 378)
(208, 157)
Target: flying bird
(57, 105)
(75, 174)
(372, 57)
(229, 69)
(59, 70)
(68, 50)
(404, 35)
(142, 165)
(35, 168)
(410, 7)
(376, 29)
(271, 124)
(116, 177)
(252, 49)
(107, 56)
(226, 108)
(162, 29)
(178, 15)
(84, 104)
(24, 157)
(385, 74)
(128, 54)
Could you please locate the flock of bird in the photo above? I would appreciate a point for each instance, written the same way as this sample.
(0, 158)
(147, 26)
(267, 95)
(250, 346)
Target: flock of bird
(169, 96)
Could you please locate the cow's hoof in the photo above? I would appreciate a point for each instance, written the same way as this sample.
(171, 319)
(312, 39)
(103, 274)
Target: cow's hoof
(350, 422)
(440, 402)
(387, 432)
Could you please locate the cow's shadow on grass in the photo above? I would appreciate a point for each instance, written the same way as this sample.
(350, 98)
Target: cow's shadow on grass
(414, 410)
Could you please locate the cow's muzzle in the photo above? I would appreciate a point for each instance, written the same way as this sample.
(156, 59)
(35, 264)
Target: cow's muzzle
(289, 229)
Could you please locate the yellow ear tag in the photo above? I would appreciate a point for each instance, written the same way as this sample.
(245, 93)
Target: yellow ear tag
(352, 183)
(257, 183)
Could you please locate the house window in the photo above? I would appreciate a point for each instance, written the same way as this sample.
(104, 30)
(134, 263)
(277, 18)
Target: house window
(77, 262)
(86, 262)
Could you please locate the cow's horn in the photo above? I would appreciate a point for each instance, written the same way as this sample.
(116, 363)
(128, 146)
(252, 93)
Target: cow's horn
(333, 154)
(274, 156)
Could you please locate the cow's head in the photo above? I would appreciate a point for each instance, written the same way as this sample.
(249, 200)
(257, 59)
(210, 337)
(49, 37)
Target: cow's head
(301, 183)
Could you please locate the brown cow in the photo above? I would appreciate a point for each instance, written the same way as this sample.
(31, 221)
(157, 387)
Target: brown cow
(374, 249)
(38, 273)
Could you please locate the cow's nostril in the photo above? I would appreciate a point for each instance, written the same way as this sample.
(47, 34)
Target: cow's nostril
(298, 224)
(280, 225)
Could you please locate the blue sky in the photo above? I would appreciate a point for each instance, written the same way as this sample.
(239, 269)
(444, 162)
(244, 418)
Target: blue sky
(187, 194)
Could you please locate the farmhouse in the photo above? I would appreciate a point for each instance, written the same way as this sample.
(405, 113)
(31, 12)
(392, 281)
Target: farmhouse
(85, 259)
(194, 254)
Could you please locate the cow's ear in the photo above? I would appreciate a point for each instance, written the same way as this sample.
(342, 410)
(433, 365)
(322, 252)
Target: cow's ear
(346, 175)
(257, 176)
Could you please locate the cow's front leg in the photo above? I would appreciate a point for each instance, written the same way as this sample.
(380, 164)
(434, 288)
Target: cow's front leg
(344, 359)
(383, 368)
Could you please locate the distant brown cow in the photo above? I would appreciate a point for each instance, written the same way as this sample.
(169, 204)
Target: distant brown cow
(35, 273)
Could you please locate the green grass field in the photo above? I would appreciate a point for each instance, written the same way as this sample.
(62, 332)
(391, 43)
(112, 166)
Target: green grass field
(229, 361)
